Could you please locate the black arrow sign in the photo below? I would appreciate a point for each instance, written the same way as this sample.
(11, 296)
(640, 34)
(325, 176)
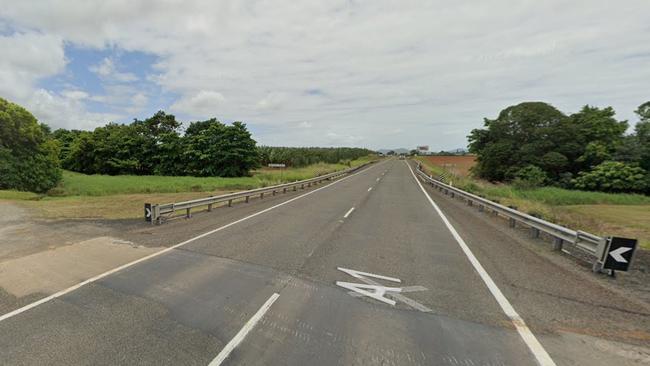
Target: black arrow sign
(619, 253)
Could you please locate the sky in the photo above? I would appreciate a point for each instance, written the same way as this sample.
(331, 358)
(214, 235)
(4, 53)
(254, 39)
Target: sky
(376, 74)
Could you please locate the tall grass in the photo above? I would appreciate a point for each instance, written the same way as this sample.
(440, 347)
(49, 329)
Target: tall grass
(76, 184)
(547, 195)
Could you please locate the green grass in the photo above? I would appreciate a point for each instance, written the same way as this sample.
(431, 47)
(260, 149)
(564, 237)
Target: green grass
(621, 214)
(546, 195)
(76, 184)
(122, 197)
(560, 197)
(18, 195)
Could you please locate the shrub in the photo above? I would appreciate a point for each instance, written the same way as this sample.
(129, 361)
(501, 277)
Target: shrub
(613, 176)
(29, 160)
(530, 176)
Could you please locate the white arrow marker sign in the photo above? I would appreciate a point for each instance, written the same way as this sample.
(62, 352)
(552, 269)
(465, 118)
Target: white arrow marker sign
(616, 254)
(148, 212)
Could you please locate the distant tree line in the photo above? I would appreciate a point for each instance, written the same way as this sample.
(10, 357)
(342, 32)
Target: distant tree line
(534, 144)
(31, 156)
(302, 156)
(157, 146)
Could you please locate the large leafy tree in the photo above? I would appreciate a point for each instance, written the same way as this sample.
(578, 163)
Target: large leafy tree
(159, 150)
(522, 135)
(599, 132)
(642, 135)
(28, 156)
(537, 134)
(214, 149)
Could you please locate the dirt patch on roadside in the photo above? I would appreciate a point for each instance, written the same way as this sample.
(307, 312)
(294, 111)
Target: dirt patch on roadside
(50, 271)
(458, 165)
(21, 234)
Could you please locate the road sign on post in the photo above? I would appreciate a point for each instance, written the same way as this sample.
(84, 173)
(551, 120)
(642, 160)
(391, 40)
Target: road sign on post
(148, 213)
(619, 253)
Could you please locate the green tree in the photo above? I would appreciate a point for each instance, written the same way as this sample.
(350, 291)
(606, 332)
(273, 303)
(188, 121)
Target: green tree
(159, 144)
(521, 135)
(214, 149)
(28, 157)
(530, 176)
(613, 176)
(599, 132)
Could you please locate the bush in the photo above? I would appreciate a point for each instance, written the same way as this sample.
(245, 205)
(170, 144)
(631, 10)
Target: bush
(29, 160)
(613, 176)
(530, 176)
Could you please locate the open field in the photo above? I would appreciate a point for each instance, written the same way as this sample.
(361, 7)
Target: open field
(122, 197)
(457, 164)
(622, 214)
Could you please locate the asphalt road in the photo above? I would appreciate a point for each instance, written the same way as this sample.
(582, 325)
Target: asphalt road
(269, 289)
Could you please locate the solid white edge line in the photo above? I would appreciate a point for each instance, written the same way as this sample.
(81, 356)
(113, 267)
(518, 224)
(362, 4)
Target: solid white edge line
(348, 213)
(127, 265)
(239, 337)
(529, 338)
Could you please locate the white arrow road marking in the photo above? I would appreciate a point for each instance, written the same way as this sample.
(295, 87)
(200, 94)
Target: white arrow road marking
(358, 291)
(360, 275)
(376, 292)
(616, 254)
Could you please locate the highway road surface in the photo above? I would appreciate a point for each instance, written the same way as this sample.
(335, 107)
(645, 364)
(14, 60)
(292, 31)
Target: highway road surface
(372, 269)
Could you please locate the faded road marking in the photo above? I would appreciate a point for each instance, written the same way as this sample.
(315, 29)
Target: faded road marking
(348, 213)
(239, 337)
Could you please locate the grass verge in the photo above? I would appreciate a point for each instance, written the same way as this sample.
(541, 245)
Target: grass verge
(618, 214)
(122, 197)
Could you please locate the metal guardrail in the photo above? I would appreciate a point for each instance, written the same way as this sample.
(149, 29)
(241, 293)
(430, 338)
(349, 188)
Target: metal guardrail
(156, 213)
(588, 243)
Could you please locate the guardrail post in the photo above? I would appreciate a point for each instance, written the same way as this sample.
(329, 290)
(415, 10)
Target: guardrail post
(274, 192)
(534, 232)
(302, 186)
(557, 244)
(469, 202)
(284, 190)
(453, 194)
(481, 208)
(209, 207)
(188, 214)
(247, 198)
(262, 195)
(229, 203)
(512, 223)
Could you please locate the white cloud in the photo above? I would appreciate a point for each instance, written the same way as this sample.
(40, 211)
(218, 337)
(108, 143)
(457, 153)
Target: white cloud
(75, 94)
(27, 57)
(108, 71)
(203, 104)
(361, 69)
(65, 111)
(272, 101)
